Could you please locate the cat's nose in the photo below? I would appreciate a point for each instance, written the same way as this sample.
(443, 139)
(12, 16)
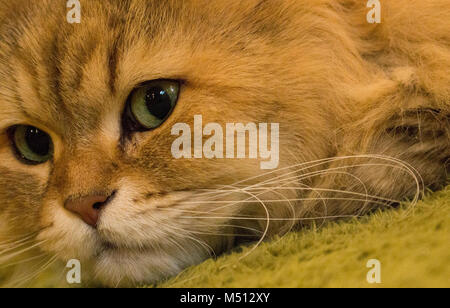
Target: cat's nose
(89, 207)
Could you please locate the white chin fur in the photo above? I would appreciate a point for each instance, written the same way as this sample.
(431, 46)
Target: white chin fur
(127, 267)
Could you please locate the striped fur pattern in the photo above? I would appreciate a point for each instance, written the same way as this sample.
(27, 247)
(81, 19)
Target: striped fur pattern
(364, 113)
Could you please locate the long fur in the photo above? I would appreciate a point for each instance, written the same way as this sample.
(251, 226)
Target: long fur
(364, 112)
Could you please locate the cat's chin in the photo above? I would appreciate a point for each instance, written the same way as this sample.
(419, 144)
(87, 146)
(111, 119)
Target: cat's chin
(116, 266)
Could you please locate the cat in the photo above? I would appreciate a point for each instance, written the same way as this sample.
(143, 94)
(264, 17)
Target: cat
(86, 170)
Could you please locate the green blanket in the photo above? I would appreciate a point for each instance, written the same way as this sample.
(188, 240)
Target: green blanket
(412, 246)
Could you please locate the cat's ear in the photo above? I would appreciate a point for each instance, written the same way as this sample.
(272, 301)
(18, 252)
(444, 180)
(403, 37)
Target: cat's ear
(404, 155)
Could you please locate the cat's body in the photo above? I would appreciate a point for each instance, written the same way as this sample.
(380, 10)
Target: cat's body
(338, 86)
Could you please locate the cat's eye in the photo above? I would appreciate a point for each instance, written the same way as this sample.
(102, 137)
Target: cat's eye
(31, 144)
(151, 104)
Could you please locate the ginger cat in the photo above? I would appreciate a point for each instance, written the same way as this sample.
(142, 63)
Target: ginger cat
(87, 111)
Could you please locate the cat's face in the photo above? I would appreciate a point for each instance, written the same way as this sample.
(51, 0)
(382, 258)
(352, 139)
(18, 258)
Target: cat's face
(95, 187)
(87, 111)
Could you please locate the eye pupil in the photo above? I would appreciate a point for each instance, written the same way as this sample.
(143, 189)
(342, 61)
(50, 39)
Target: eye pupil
(31, 145)
(37, 141)
(158, 102)
(150, 105)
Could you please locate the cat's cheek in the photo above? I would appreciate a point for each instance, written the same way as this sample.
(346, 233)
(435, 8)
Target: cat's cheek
(65, 235)
(21, 192)
(135, 217)
(9, 161)
(3, 226)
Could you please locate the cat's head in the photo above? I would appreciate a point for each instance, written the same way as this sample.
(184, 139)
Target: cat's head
(86, 166)
(88, 110)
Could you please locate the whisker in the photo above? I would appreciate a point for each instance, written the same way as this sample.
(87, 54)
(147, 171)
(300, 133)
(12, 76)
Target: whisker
(290, 188)
(219, 234)
(18, 245)
(233, 226)
(275, 201)
(209, 249)
(266, 231)
(22, 240)
(291, 206)
(407, 167)
(15, 254)
(23, 261)
(328, 160)
(21, 281)
(271, 218)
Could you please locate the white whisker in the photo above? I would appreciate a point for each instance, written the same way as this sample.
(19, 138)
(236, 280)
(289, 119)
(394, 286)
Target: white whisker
(15, 254)
(22, 280)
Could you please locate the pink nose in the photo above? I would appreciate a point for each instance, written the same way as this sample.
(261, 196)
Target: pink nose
(88, 207)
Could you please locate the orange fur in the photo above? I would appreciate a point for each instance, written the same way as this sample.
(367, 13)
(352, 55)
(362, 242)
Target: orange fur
(338, 86)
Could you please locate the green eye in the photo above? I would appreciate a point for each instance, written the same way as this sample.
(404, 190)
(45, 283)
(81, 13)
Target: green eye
(33, 145)
(151, 104)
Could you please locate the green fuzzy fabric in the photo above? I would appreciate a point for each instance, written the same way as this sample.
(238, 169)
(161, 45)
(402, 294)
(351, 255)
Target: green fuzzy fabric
(412, 245)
